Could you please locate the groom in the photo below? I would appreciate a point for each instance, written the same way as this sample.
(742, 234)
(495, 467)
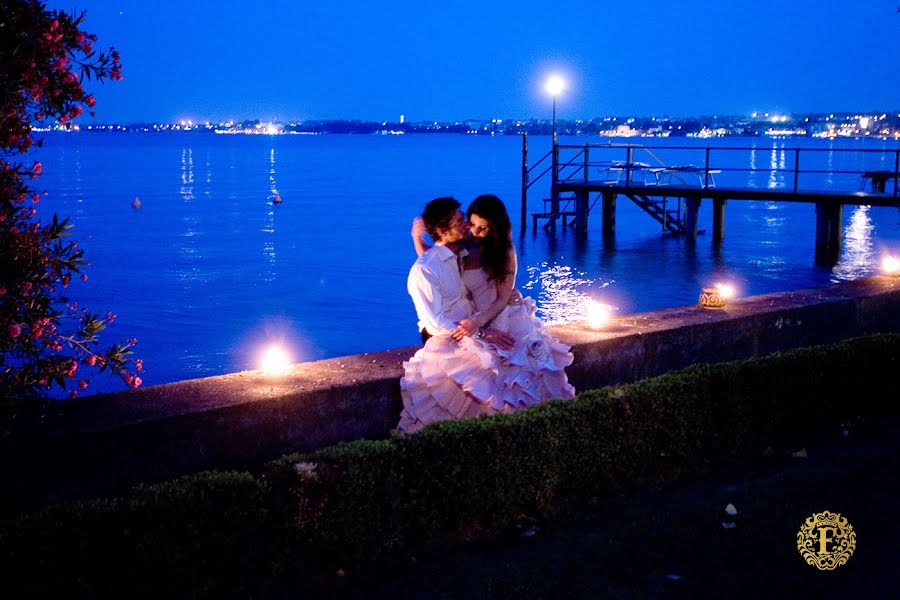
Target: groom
(435, 279)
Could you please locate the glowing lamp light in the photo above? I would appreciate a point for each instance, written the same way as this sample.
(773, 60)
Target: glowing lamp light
(717, 296)
(890, 266)
(596, 314)
(275, 361)
(555, 85)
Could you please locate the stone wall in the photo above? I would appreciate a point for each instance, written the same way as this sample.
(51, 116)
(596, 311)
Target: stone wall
(103, 444)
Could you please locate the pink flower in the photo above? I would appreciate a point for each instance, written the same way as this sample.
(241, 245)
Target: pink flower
(37, 167)
(90, 101)
(91, 360)
(139, 364)
(82, 384)
(135, 382)
(14, 330)
(73, 394)
(83, 277)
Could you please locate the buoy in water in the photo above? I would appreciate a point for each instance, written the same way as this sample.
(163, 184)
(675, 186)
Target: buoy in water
(136, 203)
(277, 199)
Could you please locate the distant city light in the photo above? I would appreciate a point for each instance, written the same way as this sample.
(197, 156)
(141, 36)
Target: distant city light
(864, 122)
(555, 85)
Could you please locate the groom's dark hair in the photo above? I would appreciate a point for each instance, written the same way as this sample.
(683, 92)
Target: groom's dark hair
(438, 213)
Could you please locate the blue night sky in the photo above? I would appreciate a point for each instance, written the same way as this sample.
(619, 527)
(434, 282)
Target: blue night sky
(315, 59)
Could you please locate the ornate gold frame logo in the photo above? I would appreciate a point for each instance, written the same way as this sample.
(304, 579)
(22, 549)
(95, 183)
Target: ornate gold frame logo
(826, 541)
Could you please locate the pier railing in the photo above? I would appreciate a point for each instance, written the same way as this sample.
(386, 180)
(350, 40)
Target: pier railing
(787, 168)
(772, 167)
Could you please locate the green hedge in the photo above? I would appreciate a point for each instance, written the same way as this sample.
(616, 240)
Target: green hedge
(461, 478)
(224, 534)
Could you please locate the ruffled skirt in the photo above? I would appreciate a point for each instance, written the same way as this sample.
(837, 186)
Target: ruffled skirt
(456, 380)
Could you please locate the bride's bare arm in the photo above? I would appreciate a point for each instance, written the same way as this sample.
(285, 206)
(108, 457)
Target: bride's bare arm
(505, 290)
(418, 236)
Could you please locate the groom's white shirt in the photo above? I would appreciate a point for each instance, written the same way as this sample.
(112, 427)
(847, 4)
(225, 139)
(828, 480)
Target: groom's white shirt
(437, 291)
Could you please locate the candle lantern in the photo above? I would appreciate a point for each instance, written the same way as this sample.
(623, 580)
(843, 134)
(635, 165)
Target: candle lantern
(716, 297)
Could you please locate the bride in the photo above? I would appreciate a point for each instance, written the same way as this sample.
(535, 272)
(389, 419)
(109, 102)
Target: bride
(465, 374)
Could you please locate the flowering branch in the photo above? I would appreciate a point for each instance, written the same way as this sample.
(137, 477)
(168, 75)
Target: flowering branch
(45, 59)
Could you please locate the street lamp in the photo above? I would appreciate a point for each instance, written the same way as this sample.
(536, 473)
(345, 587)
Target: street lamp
(555, 85)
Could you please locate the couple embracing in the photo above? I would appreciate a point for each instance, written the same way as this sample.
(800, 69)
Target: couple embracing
(485, 352)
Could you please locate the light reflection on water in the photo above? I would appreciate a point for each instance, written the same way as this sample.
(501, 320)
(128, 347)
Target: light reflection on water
(858, 256)
(563, 292)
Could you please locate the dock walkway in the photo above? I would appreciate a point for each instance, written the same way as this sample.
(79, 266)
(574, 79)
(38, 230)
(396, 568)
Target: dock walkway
(672, 193)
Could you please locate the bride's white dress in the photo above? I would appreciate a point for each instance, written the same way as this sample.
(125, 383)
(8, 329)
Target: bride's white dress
(455, 380)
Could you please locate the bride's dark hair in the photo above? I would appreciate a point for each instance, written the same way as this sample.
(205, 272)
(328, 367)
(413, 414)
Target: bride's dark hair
(495, 246)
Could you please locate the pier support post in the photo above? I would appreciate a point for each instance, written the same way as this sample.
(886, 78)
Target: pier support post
(524, 214)
(691, 211)
(829, 227)
(609, 215)
(582, 199)
(718, 220)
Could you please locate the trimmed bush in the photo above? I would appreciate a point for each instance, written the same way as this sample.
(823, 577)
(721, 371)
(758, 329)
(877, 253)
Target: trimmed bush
(226, 534)
(360, 500)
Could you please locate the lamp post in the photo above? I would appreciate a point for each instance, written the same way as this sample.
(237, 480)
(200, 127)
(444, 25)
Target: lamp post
(555, 86)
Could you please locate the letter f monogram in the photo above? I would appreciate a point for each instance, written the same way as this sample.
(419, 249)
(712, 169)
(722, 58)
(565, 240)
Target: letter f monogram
(826, 534)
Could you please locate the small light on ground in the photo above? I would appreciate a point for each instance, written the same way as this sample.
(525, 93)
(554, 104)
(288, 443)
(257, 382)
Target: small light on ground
(596, 314)
(275, 361)
(890, 265)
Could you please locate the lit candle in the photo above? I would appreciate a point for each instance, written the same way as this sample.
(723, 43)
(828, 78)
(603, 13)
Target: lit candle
(890, 265)
(275, 361)
(725, 290)
(717, 296)
(595, 313)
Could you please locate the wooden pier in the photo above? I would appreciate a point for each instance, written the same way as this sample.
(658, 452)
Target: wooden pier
(582, 176)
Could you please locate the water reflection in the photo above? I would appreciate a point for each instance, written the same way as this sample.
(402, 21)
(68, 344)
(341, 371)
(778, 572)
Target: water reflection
(561, 291)
(268, 228)
(776, 167)
(858, 258)
(187, 173)
(208, 190)
(752, 178)
(829, 166)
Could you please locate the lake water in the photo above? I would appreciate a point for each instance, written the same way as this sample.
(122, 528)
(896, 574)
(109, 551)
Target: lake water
(209, 270)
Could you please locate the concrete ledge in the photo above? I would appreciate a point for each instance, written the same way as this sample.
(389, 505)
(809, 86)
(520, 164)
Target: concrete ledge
(103, 444)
